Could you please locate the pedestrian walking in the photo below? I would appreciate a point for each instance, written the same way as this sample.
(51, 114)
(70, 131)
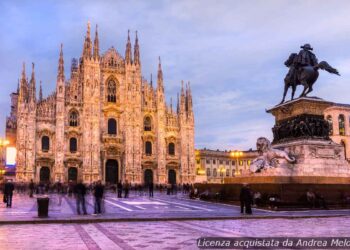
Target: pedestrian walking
(8, 193)
(80, 192)
(31, 188)
(98, 194)
(120, 189)
(150, 189)
(246, 199)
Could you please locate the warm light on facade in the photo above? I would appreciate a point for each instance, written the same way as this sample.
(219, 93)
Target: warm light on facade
(11, 153)
(4, 142)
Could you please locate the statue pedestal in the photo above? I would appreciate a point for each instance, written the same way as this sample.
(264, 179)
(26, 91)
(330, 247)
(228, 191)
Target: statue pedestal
(301, 131)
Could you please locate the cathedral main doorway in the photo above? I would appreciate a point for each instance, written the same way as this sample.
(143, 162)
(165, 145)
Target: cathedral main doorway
(111, 172)
(72, 174)
(171, 176)
(148, 177)
(44, 174)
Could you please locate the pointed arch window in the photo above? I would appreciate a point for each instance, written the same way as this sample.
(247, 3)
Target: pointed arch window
(148, 148)
(147, 123)
(171, 148)
(112, 126)
(111, 91)
(45, 143)
(341, 120)
(73, 119)
(330, 124)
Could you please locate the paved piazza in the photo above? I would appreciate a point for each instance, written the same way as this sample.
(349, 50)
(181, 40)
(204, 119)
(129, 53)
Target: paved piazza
(161, 227)
(162, 206)
(160, 235)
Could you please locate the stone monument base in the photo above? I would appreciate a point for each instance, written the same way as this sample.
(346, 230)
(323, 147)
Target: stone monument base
(317, 161)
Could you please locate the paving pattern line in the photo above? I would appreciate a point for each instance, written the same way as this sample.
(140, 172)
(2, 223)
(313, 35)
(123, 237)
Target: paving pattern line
(118, 241)
(117, 205)
(184, 205)
(89, 242)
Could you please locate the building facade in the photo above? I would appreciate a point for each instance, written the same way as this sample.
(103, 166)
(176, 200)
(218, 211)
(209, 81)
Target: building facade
(104, 123)
(338, 117)
(214, 166)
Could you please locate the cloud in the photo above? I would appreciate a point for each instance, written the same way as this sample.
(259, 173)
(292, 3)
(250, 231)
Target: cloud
(231, 51)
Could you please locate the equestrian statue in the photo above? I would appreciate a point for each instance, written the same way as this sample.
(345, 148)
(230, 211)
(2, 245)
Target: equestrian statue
(303, 70)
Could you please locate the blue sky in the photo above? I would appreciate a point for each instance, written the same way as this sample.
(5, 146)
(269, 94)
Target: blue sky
(232, 52)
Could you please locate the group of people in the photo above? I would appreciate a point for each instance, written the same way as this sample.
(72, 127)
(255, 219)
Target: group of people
(80, 192)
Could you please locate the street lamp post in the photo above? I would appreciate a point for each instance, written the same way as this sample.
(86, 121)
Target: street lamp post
(221, 171)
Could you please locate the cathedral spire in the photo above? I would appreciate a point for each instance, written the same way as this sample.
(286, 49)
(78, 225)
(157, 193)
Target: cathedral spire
(60, 75)
(128, 57)
(23, 71)
(171, 104)
(136, 51)
(178, 104)
(151, 81)
(87, 43)
(40, 92)
(96, 45)
(160, 76)
(32, 89)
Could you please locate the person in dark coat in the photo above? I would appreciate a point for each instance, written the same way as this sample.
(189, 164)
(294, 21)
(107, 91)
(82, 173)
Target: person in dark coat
(80, 192)
(150, 189)
(8, 192)
(120, 189)
(126, 189)
(98, 194)
(246, 199)
(31, 188)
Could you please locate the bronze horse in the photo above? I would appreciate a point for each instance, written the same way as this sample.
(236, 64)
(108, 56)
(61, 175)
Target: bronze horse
(303, 75)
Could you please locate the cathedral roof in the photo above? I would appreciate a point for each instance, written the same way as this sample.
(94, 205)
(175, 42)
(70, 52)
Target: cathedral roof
(112, 57)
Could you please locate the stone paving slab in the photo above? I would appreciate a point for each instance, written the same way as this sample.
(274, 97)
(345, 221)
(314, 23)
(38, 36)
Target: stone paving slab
(162, 235)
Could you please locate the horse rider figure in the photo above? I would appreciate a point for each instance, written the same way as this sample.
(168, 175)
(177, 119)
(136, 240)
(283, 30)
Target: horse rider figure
(306, 57)
(303, 70)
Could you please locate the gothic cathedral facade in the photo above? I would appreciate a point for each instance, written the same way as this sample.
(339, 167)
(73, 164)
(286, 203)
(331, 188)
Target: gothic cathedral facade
(105, 123)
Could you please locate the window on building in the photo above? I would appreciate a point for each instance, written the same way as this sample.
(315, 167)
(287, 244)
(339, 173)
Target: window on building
(207, 161)
(45, 143)
(221, 162)
(341, 120)
(330, 124)
(73, 119)
(241, 163)
(233, 163)
(112, 126)
(171, 150)
(233, 172)
(221, 173)
(208, 171)
(73, 145)
(111, 91)
(198, 161)
(227, 172)
(214, 172)
(227, 163)
(249, 162)
(214, 161)
(148, 148)
(147, 123)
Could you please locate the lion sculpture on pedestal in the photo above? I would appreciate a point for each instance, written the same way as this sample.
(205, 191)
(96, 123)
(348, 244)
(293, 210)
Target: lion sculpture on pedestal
(268, 156)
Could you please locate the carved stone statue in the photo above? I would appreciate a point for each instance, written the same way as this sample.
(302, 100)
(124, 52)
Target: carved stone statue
(268, 156)
(303, 70)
